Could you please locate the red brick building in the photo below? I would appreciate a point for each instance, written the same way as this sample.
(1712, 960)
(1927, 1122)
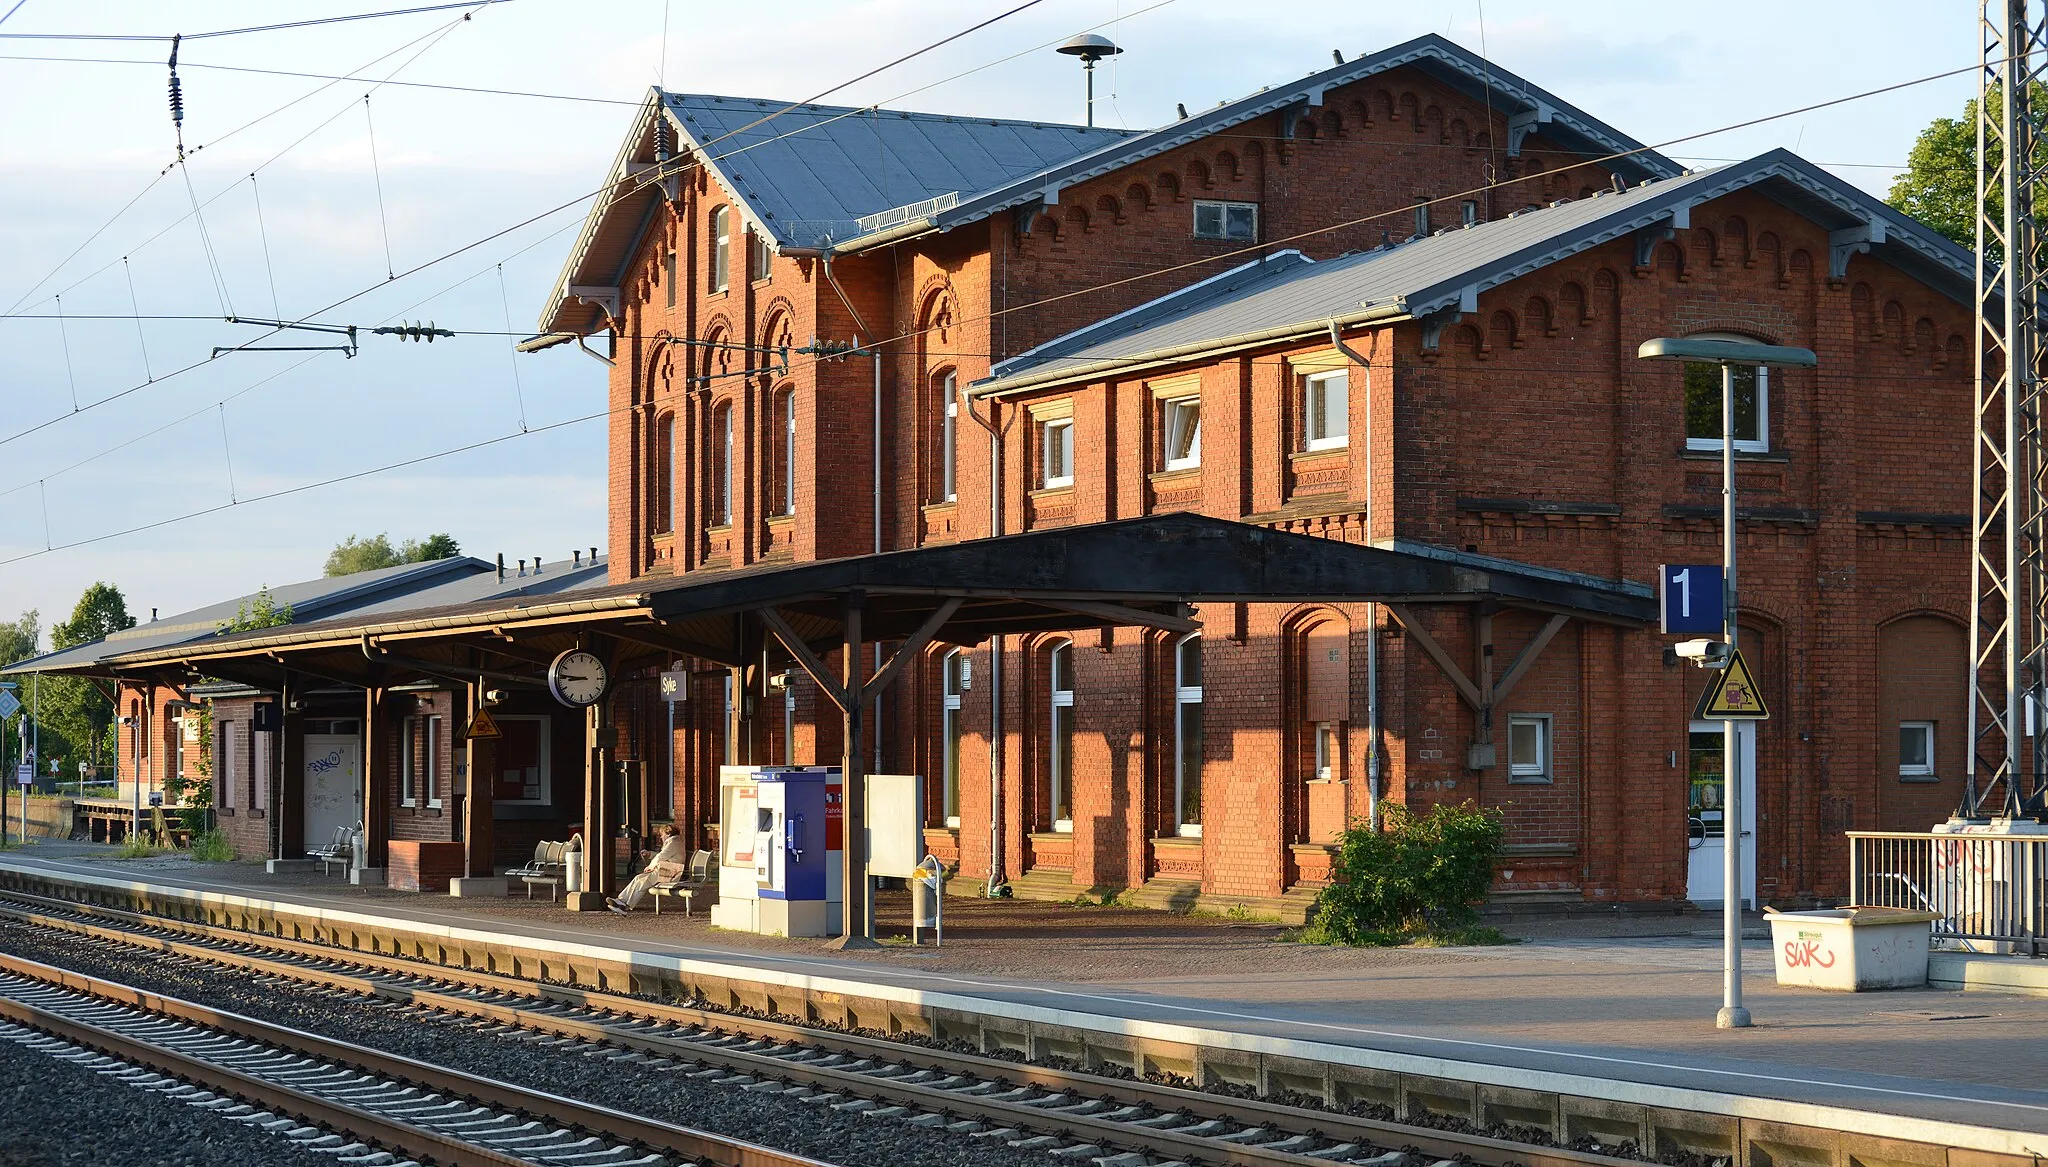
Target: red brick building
(1396, 302)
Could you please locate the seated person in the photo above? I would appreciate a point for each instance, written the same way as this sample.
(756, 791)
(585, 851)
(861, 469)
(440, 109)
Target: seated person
(671, 862)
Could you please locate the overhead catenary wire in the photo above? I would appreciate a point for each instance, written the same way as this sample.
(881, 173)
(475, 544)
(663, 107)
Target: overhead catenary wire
(227, 450)
(255, 28)
(64, 340)
(263, 234)
(1020, 307)
(518, 389)
(377, 174)
(140, 340)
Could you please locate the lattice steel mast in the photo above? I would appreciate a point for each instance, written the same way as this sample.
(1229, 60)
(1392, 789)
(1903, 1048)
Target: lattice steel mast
(2009, 532)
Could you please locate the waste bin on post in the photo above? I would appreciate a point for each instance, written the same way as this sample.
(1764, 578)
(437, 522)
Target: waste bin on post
(572, 865)
(928, 900)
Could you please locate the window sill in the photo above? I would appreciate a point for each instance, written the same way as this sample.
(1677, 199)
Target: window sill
(943, 506)
(782, 520)
(1176, 475)
(1319, 452)
(1920, 779)
(1713, 454)
(1053, 491)
(1188, 832)
(724, 528)
(1530, 780)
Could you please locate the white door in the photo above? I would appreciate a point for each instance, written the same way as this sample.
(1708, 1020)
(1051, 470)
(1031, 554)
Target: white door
(1706, 820)
(334, 786)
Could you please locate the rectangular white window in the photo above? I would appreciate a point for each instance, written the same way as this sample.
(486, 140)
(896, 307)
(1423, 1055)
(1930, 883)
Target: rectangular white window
(260, 745)
(1058, 453)
(949, 440)
(789, 453)
(1329, 752)
(1916, 751)
(1183, 425)
(668, 279)
(1060, 770)
(1326, 410)
(430, 769)
(721, 248)
(1703, 407)
(759, 256)
(1421, 217)
(1187, 757)
(954, 670)
(409, 761)
(1469, 212)
(1220, 220)
(1529, 747)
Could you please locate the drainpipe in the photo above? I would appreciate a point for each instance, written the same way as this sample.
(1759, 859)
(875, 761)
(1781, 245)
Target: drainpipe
(1372, 610)
(874, 352)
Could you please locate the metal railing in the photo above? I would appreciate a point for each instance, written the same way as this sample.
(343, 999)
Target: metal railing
(1991, 891)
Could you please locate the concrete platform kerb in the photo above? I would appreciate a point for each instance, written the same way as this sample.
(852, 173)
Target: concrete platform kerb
(1097, 1028)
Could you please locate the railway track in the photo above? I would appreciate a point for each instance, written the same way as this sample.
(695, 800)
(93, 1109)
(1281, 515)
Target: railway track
(325, 1095)
(1076, 1116)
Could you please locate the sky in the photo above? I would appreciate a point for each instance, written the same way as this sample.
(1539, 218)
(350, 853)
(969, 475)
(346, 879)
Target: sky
(471, 202)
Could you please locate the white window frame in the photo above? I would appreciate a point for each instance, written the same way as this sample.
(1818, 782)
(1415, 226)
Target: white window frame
(668, 275)
(723, 516)
(759, 257)
(1760, 444)
(1917, 773)
(1469, 212)
(1221, 210)
(1059, 754)
(261, 746)
(949, 437)
(1171, 409)
(1329, 751)
(721, 249)
(1540, 770)
(1056, 434)
(1185, 695)
(433, 759)
(547, 761)
(1421, 218)
(788, 451)
(951, 676)
(408, 775)
(1318, 437)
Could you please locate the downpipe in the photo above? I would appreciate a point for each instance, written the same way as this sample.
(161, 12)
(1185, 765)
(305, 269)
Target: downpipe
(1372, 611)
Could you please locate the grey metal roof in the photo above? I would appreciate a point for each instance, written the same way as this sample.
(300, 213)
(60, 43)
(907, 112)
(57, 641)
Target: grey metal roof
(1528, 107)
(1289, 295)
(806, 178)
(822, 173)
(457, 580)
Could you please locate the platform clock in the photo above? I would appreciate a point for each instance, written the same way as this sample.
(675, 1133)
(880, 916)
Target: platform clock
(578, 679)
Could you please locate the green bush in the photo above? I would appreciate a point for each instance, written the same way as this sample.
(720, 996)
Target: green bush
(1416, 879)
(212, 847)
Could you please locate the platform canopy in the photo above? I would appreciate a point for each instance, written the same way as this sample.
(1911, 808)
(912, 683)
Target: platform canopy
(1136, 572)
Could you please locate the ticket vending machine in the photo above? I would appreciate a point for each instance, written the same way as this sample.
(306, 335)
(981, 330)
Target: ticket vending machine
(780, 830)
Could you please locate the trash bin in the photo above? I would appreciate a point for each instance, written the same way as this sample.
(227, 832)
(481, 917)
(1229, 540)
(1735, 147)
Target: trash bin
(1851, 949)
(572, 865)
(927, 900)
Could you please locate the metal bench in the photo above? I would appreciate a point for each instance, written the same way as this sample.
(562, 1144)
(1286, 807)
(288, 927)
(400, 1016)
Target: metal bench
(547, 866)
(341, 851)
(685, 889)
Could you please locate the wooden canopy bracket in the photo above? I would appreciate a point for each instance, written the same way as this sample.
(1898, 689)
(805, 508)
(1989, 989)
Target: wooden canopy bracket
(810, 662)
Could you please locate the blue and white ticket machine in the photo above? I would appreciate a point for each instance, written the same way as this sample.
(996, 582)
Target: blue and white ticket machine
(790, 854)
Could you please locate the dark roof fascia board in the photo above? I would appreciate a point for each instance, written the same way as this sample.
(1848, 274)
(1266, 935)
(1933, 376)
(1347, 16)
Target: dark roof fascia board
(1428, 50)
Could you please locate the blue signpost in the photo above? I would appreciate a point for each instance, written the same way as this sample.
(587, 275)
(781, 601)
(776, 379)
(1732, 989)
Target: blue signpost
(1691, 597)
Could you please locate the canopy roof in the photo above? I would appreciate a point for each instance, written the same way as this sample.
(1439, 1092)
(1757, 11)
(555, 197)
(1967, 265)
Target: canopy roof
(1135, 572)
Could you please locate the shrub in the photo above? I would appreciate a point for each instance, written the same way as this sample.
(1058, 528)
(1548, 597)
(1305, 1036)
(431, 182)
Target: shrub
(212, 847)
(1415, 879)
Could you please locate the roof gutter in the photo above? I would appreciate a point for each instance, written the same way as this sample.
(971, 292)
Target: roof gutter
(1392, 312)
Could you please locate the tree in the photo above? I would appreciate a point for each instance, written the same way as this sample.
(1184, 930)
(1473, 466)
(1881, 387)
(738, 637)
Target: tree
(19, 640)
(258, 611)
(76, 716)
(368, 553)
(1939, 185)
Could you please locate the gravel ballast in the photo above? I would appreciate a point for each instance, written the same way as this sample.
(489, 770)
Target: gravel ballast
(817, 1131)
(54, 1113)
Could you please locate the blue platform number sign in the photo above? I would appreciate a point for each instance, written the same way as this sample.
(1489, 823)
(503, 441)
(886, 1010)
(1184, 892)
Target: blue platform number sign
(1690, 597)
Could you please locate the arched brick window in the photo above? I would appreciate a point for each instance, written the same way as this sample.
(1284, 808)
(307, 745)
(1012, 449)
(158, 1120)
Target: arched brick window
(719, 455)
(782, 483)
(721, 248)
(662, 485)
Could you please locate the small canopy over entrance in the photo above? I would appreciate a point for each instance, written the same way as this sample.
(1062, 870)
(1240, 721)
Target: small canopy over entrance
(1143, 572)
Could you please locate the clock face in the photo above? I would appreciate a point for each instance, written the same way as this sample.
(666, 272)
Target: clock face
(577, 678)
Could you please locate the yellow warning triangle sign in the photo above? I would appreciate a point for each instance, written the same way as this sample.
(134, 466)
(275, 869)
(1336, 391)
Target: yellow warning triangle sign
(1732, 694)
(483, 726)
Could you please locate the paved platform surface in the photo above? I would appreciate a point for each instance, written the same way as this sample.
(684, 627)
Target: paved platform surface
(1626, 998)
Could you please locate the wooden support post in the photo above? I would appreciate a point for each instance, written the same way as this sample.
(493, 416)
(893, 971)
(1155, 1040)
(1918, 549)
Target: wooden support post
(290, 807)
(479, 762)
(859, 900)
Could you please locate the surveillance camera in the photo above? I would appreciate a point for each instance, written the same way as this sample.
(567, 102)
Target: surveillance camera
(494, 697)
(1707, 654)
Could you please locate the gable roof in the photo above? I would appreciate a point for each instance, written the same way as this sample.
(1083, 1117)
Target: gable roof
(840, 179)
(801, 178)
(1288, 295)
(1527, 107)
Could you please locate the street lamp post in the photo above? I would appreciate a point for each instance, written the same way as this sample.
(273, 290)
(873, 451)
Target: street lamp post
(1728, 354)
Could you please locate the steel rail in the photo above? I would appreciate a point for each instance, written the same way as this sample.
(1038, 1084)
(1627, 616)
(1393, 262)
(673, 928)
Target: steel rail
(1276, 1117)
(693, 1145)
